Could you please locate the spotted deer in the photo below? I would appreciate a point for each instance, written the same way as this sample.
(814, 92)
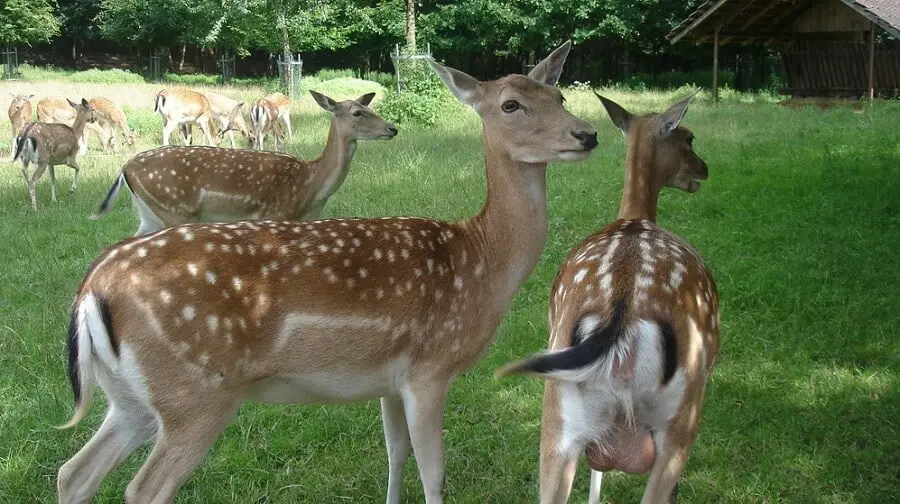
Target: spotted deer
(181, 106)
(56, 110)
(264, 121)
(228, 115)
(634, 329)
(283, 105)
(111, 118)
(19, 114)
(178, 185)
(180, 326)
(50, 144)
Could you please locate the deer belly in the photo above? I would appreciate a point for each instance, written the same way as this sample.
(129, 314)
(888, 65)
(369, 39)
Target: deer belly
(222, 206)
(633, 452)
(322, 388)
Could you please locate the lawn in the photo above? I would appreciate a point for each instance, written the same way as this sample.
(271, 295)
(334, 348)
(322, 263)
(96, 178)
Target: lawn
(799, 222)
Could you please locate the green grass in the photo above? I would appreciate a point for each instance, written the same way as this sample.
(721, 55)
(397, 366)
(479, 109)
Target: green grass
(800, 223)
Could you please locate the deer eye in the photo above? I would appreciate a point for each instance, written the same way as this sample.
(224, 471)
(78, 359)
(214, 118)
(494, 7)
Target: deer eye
(357, 113)
(510, 106)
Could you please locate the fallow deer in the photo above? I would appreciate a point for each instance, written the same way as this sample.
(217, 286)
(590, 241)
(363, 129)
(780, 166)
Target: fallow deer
(50, 144)
(111, 118)
(56, 110)
(178, 185)
(263, 121)
(228, 114)
(634, 329)
(181, 106)
(283, 105)
(182, 325)
(19, 114)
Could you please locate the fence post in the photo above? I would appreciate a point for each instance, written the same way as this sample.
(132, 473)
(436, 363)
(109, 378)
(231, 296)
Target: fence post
(226, 64)
(155, 66)
(10, 63)
(291, 79)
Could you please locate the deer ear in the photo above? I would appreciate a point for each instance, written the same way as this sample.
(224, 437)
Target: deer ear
(619, 116)
(548, 71)
(72, 103)
(366, 99)
(671, 118)
(84, 103)
(463, 86)
(30, 96)
(324, 101)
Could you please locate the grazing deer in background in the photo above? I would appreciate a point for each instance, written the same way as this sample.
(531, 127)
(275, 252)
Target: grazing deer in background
(181, 106)
(50, 144)
(55, 110)
(227, 113)
(178, 185)
(110, 118)
(283, 105)
(634, 329)
(19, 114)
(179, 327)
(263, 121)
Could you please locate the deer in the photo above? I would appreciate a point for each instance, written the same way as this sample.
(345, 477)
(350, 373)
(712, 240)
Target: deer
(177, 185)
(263, 121)
(634, 329)
(228, 114)
(181, 106)
(110, 118)
(178, 327)
(283, 104)
(19, 114)
(56, 110)
(50, 144)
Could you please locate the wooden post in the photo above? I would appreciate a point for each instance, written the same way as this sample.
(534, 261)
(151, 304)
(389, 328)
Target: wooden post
(716, 65)
(871, 60)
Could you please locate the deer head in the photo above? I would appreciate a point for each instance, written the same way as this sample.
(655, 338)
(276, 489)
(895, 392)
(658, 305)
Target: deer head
(526, 112)
(670, 144)
(83, 108)
(356, 117)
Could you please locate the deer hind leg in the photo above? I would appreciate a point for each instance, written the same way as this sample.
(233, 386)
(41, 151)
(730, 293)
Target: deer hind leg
(424, 408)
(672, 448)
(168, 128)
(396, 438)
(122, 431)
(286, 119)
(150, 222)
(51, 172)
(205, 126)
(184, 440)
(32, 183)
(596, 484)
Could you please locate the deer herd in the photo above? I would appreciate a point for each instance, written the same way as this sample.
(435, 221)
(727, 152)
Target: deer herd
(233, 289)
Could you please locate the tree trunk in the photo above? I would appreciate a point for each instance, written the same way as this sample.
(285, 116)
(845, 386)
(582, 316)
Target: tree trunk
(181, 61)
(411, 24)
(286, 75)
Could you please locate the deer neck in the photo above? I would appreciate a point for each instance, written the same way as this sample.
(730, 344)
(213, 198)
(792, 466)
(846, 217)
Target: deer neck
(640, 197)
(79, 124)
(331, 167)
(510, 232)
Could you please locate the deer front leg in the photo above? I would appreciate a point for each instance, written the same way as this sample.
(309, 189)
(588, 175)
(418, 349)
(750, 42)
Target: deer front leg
(168, 128)
(71, 163)
(424, 408)
(32, 184)
(596, 483)
(51, 171)
(396, 438)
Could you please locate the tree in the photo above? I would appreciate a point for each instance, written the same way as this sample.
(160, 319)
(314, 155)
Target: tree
(27, 22)
(411, 24)
(78, 20)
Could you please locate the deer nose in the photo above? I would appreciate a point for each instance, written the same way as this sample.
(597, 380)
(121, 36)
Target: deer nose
(393, 130)
(588, 140)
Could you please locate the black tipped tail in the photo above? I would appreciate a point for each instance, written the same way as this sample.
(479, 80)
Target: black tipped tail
(160, 102)
(72, 345)
(111, 197)
(21, 142)
(591, 344)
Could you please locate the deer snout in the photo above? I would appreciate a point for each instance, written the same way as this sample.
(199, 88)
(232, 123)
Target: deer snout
(393, 130)
(588, 140)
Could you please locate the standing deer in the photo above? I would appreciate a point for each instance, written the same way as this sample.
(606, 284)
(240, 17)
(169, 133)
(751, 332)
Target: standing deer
(180, 106)
(184, 324)
(228, 115)
(110, 118)
(283, 105)
(178, 185)
(57, 110)
(634, 329)
(19, 114)
(264, 120)
(50, 144)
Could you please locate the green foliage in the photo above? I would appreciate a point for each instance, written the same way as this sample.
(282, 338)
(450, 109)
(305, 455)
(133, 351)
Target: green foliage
(671, 80)
(27, 22)
(422, 96)
(111, 76)
(334, 73)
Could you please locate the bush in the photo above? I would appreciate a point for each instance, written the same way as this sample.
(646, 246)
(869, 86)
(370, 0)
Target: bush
(112, 76)
(673, 80)
(334, 73)
(422, 97)
(383, 78)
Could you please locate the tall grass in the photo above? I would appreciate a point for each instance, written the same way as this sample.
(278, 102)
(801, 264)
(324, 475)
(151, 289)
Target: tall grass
(799, 221)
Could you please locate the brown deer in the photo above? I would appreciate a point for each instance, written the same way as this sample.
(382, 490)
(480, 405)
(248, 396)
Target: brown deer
(19, 114)
(56, 110)
(180, 106)
(263, 121)
(111, 118)
(283, 105)
(228, 115)
(184, 324)
(50, 144)
(634, 329)
(178, 185)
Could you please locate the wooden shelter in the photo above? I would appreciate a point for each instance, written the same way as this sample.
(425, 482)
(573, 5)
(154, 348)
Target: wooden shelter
(828, 46)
